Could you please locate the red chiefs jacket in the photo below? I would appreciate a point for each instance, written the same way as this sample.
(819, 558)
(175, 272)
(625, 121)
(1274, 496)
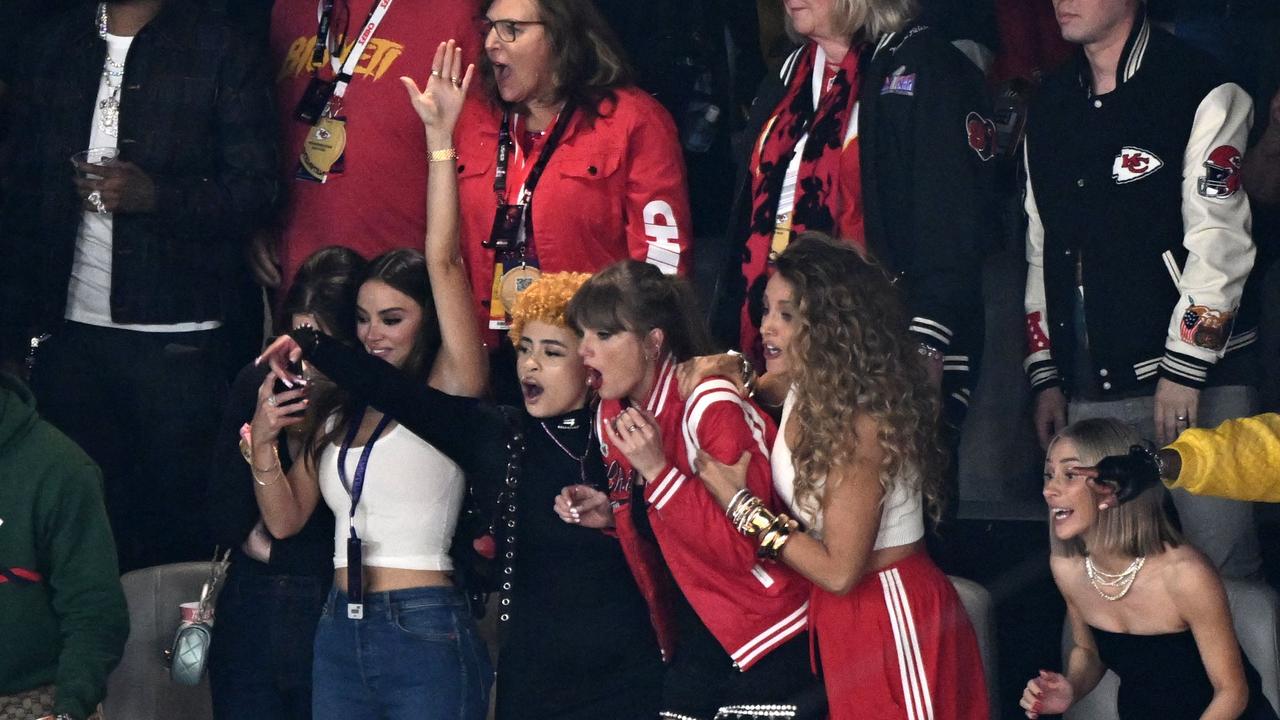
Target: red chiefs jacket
(613, 189)
(751, 607)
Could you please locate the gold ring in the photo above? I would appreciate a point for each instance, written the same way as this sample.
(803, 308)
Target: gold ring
(456, 80)
(436, 73)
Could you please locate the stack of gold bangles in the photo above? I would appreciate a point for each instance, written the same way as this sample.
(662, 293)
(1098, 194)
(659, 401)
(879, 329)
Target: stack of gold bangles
(751, 518)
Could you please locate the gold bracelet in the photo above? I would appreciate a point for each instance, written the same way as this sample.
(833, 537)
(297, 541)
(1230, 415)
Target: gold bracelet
(279, 473)
(443, 155)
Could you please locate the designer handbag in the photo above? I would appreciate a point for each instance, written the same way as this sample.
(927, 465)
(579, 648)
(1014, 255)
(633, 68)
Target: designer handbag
(190, 650)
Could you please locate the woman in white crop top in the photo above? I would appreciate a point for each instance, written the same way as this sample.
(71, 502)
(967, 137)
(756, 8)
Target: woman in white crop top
(857, 462)
(396, 638)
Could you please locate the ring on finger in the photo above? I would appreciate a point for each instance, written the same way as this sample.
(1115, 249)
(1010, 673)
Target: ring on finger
(457, 81)
(1181, 418)
(633, 427)
(436, 73)
(271, 400)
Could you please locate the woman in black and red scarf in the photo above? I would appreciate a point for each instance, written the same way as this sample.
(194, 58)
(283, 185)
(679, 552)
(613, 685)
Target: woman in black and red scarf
(875, 132)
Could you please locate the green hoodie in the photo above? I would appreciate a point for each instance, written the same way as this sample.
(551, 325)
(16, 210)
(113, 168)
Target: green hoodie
(69, 628)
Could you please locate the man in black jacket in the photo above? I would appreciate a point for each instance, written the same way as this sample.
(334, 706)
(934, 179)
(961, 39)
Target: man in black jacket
(1139, 287)
(123, 266)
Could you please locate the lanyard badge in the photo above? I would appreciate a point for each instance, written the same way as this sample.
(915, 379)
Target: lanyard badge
(355, 488)
(515, 266)
(324, 151)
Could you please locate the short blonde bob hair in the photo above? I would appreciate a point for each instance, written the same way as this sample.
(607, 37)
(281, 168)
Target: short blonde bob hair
(866, 19)
(545, 299)
(1136, 527)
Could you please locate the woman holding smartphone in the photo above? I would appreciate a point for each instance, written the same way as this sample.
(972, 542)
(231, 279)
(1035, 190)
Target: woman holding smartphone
(396, 638)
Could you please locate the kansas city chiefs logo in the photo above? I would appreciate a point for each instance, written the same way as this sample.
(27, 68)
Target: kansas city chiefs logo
(1134, 164)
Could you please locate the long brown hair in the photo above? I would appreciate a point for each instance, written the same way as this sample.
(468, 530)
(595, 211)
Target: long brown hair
(853, 357)
(404, 270)
(589, 63)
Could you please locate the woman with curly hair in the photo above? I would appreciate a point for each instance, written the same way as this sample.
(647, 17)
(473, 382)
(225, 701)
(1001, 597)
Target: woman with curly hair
(553, 580)
(856, 460)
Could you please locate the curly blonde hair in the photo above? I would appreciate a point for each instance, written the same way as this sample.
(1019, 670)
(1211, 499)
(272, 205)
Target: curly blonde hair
(545, 299)
(853, 356)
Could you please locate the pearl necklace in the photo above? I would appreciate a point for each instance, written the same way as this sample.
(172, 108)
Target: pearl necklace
(1123, 580)
(109, 107)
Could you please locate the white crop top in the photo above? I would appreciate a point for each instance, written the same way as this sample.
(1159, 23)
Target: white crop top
(901, 519)
(409, 506)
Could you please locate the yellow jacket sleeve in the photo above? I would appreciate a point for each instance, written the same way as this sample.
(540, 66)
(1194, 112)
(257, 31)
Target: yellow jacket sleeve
(1239, 459)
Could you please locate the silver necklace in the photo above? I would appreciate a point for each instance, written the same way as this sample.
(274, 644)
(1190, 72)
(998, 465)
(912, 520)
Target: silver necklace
(1122, 580)
(581, 460)
(109, 107)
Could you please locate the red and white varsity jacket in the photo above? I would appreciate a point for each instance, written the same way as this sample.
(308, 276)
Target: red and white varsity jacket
(751, 607)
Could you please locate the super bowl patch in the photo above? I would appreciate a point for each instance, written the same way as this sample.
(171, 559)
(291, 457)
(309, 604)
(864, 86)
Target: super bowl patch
(900, 83)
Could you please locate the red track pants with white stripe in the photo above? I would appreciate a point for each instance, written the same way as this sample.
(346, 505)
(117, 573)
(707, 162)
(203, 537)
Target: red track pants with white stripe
(899, 646)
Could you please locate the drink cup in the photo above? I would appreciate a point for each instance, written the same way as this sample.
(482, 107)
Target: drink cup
(190, 611)
(86, 159)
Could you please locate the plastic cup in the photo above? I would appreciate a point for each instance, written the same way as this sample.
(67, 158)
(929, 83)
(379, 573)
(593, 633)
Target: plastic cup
(190, 611)
(85, 159)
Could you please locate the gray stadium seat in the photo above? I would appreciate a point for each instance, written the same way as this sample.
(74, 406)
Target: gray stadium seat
(140, 688)
(981, 610)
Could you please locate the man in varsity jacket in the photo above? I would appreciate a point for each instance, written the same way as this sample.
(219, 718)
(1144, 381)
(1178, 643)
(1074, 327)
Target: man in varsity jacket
(1139, 247)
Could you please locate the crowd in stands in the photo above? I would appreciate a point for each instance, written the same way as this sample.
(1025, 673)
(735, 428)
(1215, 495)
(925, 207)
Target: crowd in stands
(570, 359)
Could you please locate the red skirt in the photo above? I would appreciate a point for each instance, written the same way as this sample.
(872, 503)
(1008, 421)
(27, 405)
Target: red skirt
(899, 645)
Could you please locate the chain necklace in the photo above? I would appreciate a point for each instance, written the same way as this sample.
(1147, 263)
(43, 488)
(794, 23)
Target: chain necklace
(113, 75)
(1122, 580)
(581, 460)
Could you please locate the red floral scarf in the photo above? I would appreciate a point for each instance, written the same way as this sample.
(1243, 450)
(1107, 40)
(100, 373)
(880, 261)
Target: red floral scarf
(818, 197)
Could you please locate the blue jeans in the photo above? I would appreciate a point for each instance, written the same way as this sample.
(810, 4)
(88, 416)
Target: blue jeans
(415, 654)
(260, 661)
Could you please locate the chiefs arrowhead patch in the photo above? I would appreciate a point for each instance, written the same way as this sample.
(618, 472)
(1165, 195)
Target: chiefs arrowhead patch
(1134, 164)
(982, 135)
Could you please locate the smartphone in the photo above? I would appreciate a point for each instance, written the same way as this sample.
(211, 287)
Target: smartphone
(295, 370)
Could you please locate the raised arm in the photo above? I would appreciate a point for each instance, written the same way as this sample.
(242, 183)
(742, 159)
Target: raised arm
(462, 367)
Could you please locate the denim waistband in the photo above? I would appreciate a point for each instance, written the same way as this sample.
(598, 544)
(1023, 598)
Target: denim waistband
(384, 602)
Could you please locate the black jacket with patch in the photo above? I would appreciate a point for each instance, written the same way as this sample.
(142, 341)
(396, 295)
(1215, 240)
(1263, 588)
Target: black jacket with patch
(926, 150)
(1135, 196)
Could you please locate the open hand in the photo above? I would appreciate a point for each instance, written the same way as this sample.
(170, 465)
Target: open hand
(691, 372)
(723, 481)
(440, 103)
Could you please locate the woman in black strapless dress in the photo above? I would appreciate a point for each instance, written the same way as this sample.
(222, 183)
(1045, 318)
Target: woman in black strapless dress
(1140, 601)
